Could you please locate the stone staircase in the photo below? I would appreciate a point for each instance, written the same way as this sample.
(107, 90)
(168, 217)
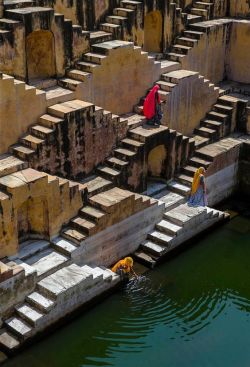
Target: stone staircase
(35, 146)
(103, 210)
(178, 225)
(55, 296)
(117, 168)
(217, 123)
(191, 36)
(123, 22)
(176, 85)
(203, 8)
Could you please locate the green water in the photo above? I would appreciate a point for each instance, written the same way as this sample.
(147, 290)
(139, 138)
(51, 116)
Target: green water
(192, 311)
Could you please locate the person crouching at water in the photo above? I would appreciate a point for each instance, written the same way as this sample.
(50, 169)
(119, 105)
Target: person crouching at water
(198, 195)
(124, 267)
(152, 107)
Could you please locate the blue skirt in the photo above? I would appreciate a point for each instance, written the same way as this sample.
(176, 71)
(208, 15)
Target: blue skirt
(198, 199)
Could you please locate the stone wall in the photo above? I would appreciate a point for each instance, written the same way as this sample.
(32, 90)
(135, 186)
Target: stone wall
(119, 240)
(237, 63)
(83, 139)
(222, 52)
(123, 77)
(222, 174)
(244, 169)
(34, 205)
(208, 57)
(15, 117)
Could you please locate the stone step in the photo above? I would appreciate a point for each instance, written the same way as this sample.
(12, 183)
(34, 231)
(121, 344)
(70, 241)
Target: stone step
(132, 144)
(93, 214)
(49, 121)
(58, 94)
(179, 188)
(108, 172)
(22, 152)
(189, 170)
(107, 275)
(187, 41)
(131, 4)
(73, 235)
(97, 275)
(168, 228)
(30, 248)
(166, 86)
(8, 342)
(123, 12)
(181, 49)
(30, 315)
(47, 262)
(86, 66)
(200, 141)
(40, 302)
(83, 225)
(186, 216)
(213, 115)
(227, 110)
(214, 125)
(42, 132)
(114, 29)
(116, 163)
(18, 327)
(94, 57)
(59, 284)
(173, 56)
(186, 180)
(170, 199)
(115, 19)
(153, 248)
(99, 37)
(10, 164)
(69, 83)
(161, 238)
(32, 142)
(202, 12)
(193, 34)
(144, 258)
(198, 162)
(125, 154)
(192, 19)
(96, 185)
(202, 5)
(205, 132)
(79, 75)
(63, 246)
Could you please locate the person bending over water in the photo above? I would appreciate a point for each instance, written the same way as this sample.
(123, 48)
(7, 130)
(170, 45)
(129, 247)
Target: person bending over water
(124, 267)
(152, 107)
(198, 195)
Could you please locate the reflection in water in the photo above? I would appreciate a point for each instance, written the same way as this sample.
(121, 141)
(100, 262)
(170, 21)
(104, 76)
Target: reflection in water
(191, 311)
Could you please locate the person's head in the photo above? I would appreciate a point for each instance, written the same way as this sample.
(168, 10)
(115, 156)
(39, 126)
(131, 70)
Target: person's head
(202, 171)
(129, 261)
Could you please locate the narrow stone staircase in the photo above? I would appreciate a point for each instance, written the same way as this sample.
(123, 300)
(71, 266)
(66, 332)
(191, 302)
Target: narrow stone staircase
(55, 296)
(177, 226)
(103, 210)
(217, 122)
(120, 24)
(202, 8)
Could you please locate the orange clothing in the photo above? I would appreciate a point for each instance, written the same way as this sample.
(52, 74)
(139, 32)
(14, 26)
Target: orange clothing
(122, 265)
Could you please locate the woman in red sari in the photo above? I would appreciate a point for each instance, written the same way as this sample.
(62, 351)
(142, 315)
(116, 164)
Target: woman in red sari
(152, 107)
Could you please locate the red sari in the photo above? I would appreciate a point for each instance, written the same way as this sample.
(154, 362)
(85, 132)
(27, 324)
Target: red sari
(149, 107)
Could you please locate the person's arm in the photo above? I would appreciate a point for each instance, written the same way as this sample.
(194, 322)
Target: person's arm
(133, 272)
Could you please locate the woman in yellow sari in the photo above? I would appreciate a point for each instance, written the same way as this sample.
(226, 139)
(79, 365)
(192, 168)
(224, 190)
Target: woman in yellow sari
(124, 267)
(198, 195)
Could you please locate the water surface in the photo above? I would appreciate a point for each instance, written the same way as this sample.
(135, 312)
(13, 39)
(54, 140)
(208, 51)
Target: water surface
(192, 311)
